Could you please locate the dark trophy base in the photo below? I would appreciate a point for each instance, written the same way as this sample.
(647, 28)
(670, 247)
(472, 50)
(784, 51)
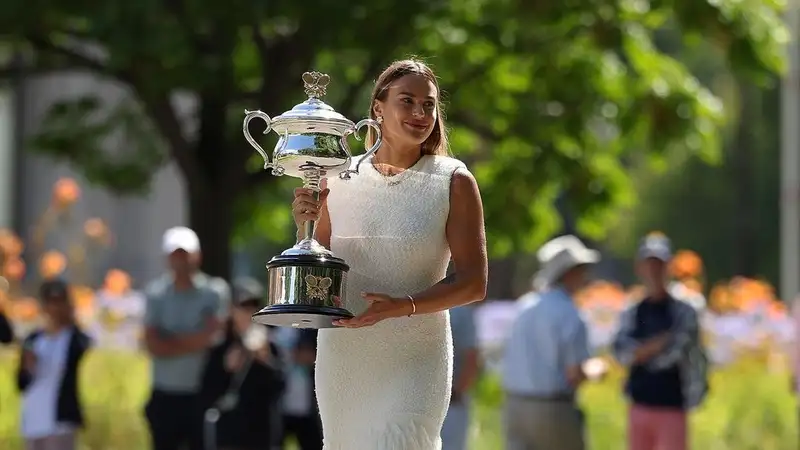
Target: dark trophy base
(300, 316)
(305, 291)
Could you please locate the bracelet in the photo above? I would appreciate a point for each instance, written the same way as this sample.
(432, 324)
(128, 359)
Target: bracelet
(413, 305)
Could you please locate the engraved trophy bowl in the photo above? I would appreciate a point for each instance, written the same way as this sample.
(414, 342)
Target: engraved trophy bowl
(307, 282)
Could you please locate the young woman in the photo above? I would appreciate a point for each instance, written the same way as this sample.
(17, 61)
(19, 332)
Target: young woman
(47, 375)
(384, 381)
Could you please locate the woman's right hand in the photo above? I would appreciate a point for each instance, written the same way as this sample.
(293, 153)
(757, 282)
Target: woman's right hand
(305, 207)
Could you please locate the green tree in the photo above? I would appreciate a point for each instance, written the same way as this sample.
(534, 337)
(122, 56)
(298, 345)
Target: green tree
(544, 98)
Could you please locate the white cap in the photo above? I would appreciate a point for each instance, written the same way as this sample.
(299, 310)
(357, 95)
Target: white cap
(558, 256)
(655, 245)
(180, 238)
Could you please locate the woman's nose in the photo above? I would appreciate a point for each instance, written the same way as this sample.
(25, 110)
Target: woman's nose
(418, 111)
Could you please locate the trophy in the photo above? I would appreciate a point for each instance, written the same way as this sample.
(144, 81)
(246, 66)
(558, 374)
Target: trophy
(307, 283)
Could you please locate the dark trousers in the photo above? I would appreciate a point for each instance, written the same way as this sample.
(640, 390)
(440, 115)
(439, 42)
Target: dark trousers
(306, 429)
(173, 421)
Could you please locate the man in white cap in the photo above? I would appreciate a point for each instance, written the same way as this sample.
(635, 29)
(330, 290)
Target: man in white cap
(184, 314)
(658, 339)
(544, 356)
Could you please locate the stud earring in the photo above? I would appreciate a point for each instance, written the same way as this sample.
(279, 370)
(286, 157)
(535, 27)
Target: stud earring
(379, 120)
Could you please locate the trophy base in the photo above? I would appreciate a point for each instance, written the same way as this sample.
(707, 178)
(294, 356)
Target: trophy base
(305, 291)
(300, 316)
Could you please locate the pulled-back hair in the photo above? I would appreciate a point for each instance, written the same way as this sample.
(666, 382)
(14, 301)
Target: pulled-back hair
(436, 144)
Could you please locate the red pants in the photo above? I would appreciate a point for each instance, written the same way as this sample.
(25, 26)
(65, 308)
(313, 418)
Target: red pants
(651, 428)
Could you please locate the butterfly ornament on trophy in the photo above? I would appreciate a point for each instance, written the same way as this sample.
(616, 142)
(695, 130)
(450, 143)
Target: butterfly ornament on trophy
(317, 287)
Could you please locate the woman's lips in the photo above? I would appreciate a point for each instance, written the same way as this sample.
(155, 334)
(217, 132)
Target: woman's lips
(417, 126)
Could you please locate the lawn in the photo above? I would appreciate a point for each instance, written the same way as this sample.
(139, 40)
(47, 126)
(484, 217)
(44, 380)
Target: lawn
(748, 408)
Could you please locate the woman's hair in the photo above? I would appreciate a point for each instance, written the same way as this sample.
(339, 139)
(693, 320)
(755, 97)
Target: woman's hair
(436, 143)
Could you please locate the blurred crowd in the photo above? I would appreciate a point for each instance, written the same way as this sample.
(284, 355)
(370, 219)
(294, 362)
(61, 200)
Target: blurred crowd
(218, 381)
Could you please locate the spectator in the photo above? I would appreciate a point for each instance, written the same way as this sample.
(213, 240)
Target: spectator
(184, 312)
(47, 375)
(659, 341)
(243, 381)
(6, 331)
(543, 361)
(301, 418)
(465, 372)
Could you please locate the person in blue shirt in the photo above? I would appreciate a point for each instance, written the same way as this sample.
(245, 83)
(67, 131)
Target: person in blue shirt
(542, 365)
(466, 366)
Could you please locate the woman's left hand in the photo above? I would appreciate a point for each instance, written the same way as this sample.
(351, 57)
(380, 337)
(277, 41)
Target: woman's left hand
(381, 307)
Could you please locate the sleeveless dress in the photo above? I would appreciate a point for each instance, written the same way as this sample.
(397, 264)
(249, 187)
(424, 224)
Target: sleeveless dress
(387, 386)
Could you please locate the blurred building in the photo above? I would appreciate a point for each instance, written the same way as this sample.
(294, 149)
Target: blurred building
(26, 183)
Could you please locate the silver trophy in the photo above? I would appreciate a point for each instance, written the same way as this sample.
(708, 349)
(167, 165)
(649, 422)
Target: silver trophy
(307, 283)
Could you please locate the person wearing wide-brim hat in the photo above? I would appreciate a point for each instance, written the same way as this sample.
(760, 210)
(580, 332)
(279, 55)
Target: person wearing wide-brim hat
(548, 345)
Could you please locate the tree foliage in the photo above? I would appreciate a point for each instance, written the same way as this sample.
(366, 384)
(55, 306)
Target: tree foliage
(543, 98)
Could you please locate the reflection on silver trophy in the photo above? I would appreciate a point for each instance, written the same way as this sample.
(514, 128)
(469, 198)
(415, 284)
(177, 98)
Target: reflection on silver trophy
(307, 283)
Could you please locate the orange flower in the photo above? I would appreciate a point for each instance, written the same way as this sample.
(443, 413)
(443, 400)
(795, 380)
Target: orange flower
(686, 264)
(65, 193)
(25, 309)
(117, 282)
(14, 269)
(97, 230)
(52, 264)
(82, 298)
(10, 244)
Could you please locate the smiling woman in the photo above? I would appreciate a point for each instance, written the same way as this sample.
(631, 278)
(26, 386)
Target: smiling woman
(385, 380)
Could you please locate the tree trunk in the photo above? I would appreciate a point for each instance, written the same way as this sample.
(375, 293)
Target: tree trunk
(744, 220)
(211, 217)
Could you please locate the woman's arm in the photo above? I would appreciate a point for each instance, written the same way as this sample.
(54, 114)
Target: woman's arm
(466, 236)
(467, 240)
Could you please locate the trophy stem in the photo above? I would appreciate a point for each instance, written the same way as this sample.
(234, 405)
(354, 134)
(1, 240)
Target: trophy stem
(312, 179)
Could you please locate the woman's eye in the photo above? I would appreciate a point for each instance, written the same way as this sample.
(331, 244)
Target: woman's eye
(407, 100)
(430, 105)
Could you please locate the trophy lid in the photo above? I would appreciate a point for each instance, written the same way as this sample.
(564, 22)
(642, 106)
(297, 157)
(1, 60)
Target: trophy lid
(313, 115)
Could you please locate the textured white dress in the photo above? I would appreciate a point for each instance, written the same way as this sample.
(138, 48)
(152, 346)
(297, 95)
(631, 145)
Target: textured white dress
(387, 387)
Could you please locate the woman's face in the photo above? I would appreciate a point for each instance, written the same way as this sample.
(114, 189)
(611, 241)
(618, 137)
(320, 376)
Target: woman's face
(409, 110)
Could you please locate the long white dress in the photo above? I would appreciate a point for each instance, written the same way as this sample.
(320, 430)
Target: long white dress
(387, 387)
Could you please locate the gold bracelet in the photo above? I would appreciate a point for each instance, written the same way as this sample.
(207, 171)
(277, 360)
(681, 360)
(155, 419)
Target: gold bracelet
(413, 305)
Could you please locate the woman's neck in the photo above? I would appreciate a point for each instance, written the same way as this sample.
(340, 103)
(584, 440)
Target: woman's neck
(395, 157)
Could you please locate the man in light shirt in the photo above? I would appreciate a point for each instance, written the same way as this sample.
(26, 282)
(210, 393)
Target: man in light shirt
(544, 357)
(184, 313)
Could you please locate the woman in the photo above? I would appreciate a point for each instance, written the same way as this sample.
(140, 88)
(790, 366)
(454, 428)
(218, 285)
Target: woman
(242, 386)
(384, 381)
(47, 376)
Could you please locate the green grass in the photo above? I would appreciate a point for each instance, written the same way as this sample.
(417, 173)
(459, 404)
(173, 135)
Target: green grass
(748, 408)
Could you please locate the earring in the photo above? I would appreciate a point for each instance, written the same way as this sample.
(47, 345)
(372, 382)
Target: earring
(379, 120)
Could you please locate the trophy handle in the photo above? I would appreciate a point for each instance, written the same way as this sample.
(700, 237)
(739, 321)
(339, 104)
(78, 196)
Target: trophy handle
(370, 151)
(250, 115)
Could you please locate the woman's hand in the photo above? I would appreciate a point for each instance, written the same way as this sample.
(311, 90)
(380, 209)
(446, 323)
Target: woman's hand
(305, 207)
(381, 307)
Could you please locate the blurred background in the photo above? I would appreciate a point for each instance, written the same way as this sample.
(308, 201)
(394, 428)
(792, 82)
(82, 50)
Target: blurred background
(606, 119)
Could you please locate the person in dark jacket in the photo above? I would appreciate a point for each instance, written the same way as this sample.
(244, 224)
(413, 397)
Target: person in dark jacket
(301, 418)
(242, 385)
(47, 375)
(6, 331)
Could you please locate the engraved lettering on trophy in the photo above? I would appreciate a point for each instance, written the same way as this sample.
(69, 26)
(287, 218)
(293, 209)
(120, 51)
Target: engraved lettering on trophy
(317, 287)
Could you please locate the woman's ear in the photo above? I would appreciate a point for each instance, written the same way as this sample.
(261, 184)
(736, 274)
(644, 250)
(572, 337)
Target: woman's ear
(377, 108)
